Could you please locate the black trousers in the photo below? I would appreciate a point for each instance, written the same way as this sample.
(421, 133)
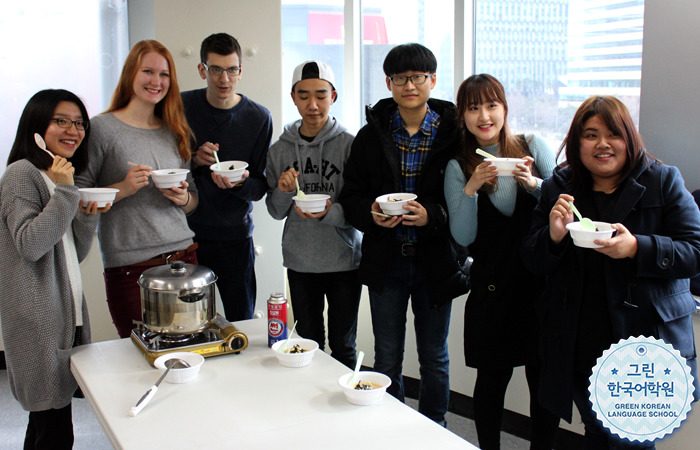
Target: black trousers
(51, 429)
(489, 397)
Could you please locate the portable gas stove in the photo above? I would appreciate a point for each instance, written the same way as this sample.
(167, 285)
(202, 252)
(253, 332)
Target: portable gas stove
(218, 338)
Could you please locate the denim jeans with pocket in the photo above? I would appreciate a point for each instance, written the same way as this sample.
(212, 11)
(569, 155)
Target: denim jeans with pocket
(406, 280)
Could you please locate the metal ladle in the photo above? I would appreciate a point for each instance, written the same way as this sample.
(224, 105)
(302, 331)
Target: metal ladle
(169, 364)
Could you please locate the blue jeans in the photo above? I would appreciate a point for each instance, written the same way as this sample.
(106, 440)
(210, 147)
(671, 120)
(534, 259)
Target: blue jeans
(342, 291)
(233, 262)
(406, 280)
(596, 436)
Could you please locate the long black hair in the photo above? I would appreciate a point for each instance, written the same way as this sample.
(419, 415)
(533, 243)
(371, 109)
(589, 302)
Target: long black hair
(36, 118)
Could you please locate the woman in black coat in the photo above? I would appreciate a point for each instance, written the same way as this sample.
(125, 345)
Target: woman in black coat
(635, 284)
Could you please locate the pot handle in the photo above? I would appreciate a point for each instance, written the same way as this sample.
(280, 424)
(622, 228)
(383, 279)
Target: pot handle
(192, 297)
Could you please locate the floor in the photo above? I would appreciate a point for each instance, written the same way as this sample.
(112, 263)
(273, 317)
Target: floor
(89, 434)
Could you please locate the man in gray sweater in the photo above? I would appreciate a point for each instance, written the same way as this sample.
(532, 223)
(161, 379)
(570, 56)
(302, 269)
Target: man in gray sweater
(321, 251)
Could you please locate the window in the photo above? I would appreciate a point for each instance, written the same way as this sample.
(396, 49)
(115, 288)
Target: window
(79, 47)
(315, 30)
(581, 48)
(549, 54)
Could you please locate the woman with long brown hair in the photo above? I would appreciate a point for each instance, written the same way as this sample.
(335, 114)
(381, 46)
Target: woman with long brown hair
(143, 129)
(635, 284)
(490, 214)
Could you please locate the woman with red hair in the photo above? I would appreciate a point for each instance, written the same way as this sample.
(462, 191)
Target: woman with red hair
(147, 226)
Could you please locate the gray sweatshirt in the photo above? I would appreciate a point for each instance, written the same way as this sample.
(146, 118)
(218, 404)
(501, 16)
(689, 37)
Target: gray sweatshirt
(329, 244)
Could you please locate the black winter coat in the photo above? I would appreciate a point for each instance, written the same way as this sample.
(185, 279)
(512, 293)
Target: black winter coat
(373, 169)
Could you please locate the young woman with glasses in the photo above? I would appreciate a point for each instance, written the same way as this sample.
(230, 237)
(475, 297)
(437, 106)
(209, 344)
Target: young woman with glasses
(45, 231)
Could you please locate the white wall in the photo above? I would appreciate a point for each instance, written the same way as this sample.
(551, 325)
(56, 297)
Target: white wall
(669, 117)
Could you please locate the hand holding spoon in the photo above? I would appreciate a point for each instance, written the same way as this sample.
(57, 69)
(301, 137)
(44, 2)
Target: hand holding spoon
(42, 145)
(586, 223)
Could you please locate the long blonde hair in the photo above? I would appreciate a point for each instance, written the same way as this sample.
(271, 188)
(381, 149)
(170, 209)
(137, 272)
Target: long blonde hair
(170, 109)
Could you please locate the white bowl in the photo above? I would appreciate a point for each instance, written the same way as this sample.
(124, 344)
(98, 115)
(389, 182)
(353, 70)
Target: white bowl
(181, 374)
(505, 166)
(392, 204)
(295, 359)
(313, 203)
(585, 238)
(365, 397)
(100, 195)
(233, 170)
(168, 178)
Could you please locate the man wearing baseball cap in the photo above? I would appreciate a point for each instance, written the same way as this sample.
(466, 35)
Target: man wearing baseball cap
(321, 251)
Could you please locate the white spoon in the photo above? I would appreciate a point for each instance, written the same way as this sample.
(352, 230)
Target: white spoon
(42, 145)
(300, 193)
(218, 163)
(484, 154)
(289, 336)
(351, 383)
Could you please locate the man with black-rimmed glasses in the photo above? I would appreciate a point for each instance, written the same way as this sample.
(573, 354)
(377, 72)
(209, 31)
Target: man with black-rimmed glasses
(236, 129)
(404, 148)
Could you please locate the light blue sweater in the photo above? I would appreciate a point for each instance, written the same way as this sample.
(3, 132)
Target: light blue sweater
(463, 209)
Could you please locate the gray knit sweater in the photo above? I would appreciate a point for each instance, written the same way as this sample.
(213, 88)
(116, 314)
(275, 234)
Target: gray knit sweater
(146, 224)
(37, 310)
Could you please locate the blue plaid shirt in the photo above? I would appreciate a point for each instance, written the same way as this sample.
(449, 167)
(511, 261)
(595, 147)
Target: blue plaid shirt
(412, 152)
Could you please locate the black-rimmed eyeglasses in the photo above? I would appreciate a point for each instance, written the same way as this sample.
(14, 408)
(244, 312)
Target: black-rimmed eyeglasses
(81, 125)
(401, 80)
(218, 71)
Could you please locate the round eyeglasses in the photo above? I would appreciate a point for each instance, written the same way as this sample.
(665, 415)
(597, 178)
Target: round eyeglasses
(81, 125)
(401, 80)
(218, 71)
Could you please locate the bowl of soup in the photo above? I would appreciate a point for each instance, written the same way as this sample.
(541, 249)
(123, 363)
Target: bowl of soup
(168, 178)
(393, 204)
(585, 238)
(505, 166)
(368, 388)
(232, 170)
(100, 195)
(298, 352)
(311, 203)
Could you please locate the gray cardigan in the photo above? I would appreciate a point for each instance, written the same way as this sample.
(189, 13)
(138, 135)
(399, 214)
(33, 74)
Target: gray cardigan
(37, 311)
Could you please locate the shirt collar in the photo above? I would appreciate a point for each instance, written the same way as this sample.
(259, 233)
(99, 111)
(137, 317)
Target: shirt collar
(426, 127)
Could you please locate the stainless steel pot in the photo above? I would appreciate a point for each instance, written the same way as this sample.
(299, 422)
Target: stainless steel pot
(177, 298)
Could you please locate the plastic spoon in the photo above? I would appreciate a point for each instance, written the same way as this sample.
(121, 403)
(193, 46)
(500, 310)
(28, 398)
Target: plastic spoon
(586, 223)
(484, 154)
(360, 357)
(289, 336)
(169, 364)
(218, 163)
(300, 193)
(42, 145)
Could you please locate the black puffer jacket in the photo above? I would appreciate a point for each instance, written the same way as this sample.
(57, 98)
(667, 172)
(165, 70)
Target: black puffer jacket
(373, 169)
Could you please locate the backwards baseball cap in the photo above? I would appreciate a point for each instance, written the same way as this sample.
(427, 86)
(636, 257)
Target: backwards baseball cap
(313, 69)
